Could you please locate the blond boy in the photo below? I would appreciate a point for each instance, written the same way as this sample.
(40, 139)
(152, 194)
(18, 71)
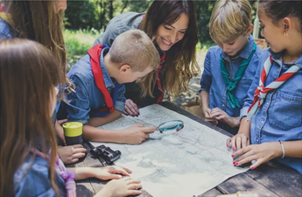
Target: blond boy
(229, 68)
(99, 94)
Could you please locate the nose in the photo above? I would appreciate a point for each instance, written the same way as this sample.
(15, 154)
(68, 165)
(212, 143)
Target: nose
(174, 37)
(224, 48)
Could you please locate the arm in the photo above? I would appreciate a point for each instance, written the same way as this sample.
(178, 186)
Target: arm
(267, 151)
(135, 134)
(103, 173)
(98, 121)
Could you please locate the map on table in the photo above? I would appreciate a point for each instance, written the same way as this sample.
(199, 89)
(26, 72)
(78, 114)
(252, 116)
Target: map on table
(183, 164)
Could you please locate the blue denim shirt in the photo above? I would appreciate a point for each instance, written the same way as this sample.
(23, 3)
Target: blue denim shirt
(280, 117)
(5, 30)
(87, 98)
(212, 80)
(33, 179)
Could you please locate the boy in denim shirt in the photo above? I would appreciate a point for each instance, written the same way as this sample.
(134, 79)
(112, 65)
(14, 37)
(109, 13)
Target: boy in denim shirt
(229, 68)
(99, 94)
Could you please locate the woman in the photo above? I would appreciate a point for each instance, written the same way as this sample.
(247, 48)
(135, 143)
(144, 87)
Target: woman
(172, 26)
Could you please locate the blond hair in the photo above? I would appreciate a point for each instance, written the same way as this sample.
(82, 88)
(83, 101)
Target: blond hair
(230, 19)
(136, 49)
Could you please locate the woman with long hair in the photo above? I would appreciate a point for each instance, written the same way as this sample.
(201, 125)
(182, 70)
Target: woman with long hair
(172, 26)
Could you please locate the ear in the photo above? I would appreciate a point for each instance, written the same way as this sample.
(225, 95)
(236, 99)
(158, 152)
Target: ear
(125, 67)
(286, 25)
(250, 30)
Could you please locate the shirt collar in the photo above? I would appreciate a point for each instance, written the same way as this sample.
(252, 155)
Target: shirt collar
(109, 82)
(278, 57)
(245, 53)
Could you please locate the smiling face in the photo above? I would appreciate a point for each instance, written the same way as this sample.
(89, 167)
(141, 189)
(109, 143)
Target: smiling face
(169, 34)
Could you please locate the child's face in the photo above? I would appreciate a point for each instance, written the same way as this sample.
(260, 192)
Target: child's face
(128, 76)
(169, 34)
(273, 34)
(235, 47)
(53, 100)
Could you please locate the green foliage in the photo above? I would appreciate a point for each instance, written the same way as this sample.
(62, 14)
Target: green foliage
(78, 42)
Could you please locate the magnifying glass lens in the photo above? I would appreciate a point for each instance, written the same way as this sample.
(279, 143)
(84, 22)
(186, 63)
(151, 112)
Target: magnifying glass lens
(171, 125)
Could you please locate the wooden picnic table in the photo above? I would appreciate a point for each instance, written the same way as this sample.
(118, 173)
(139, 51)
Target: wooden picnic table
(270, 179)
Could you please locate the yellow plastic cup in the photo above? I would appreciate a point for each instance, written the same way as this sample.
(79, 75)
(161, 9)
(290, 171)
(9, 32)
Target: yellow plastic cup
(73, 132)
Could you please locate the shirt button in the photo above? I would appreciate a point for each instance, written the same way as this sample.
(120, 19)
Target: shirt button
(262, 121)
(222, 105)
(257, 140)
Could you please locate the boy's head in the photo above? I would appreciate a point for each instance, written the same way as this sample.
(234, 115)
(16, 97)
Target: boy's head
(230, 24)
(135, 54)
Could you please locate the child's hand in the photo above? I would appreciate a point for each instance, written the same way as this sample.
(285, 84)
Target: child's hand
(111, 172)
(71, 154)
(240, 140)
(131, 108)
(260, 152)
(208, 118)
(136, 134)
(121, 187)
(59, 129)
(222, 116)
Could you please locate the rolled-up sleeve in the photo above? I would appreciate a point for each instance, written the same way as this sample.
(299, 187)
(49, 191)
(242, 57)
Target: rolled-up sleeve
(206, 78)
(120, 100)
(79, 106)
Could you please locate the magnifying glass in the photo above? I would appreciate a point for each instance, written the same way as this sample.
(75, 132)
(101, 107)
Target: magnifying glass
(171, 126)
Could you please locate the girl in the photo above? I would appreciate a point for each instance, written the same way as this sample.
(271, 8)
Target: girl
(29, 162)
(31, 20)
(172, 25)
(275, 97)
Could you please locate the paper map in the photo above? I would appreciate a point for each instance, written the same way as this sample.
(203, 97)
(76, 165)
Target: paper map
(183, 164)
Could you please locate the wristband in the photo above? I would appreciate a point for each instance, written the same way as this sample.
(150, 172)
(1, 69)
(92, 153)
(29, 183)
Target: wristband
(283, 151)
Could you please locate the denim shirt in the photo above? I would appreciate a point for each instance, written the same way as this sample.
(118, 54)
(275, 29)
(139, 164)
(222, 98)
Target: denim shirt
(280, 117)
(118, 25)
(5, 30)
(212, 80)
(33, 179)
(87, 97)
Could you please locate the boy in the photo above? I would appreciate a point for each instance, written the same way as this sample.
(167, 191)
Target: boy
(229, 68)
(99, 94)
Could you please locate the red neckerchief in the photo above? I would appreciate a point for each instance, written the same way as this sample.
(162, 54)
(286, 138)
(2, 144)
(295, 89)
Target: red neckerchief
(2, 9)
(95, 53)
(162, 60)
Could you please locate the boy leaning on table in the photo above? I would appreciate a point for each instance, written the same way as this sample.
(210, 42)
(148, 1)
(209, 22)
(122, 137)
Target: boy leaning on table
(99, 91)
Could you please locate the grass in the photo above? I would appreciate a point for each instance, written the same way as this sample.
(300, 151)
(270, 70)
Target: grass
(78, 42)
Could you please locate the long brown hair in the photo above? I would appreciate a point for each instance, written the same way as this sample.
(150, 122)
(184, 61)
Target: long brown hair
(37, 21)
(29, 73)
(180, 62)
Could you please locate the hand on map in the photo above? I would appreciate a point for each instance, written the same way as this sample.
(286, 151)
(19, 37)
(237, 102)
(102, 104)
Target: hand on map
(240, 140)
(131, 108)
(111, 172)
(260, 152)
(71, 154)
(222, 116)
(208, 118)
(121, 187)
(136, 134)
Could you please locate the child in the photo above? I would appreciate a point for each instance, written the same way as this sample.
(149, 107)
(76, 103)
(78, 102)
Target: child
(99, 94)
(275, 98)
(229, 68)
(29, 162)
